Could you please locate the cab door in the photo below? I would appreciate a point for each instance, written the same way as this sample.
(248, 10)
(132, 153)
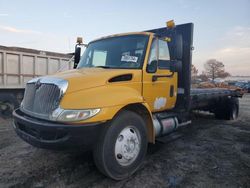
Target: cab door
(159, 84)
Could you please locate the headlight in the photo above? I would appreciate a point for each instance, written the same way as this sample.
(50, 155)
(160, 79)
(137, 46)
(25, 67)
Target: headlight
(73, 115)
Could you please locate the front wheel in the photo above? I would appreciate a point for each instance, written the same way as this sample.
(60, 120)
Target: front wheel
(123, 146)
(8, 103)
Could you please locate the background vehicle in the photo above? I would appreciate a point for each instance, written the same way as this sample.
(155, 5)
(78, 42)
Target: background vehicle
(126, 91)
(240, 84)
(18, 65)
(247, 87)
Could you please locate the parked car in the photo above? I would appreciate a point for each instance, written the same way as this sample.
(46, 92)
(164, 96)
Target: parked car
(241, 84)
(247, 87)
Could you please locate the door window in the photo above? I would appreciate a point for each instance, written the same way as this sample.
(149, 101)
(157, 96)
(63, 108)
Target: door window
(152, 60)
(164, 57)
(163, 50)
(159, 52)
(153, 52)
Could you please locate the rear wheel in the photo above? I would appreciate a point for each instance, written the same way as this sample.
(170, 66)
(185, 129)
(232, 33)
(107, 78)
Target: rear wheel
(227, 109)
(123, 146)
(234, 108)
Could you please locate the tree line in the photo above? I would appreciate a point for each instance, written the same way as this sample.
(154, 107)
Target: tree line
(212, 69)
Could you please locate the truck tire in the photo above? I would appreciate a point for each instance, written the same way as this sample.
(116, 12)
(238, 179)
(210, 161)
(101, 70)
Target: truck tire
(233, 108)
(122, 147)
(8, 103)
(227, 109)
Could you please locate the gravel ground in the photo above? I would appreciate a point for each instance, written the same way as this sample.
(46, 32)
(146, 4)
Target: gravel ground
(207, 153)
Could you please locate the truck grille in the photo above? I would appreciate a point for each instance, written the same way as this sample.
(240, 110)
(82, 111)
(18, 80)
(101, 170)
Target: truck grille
(41, 99)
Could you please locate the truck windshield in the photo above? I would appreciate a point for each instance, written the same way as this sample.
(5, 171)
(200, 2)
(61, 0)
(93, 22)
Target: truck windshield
(122, 52)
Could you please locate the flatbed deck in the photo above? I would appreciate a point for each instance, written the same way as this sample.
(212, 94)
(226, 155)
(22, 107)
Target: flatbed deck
(204, 97)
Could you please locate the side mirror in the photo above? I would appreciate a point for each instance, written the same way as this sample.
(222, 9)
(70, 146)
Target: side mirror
(152, 67)
(164, 64)
(173, 66)
(77, 56)
(176, 66)
(178, 47)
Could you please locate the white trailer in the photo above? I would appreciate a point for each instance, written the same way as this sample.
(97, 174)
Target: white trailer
(19, 65)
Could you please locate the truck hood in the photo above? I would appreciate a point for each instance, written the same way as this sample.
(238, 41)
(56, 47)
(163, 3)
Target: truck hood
(81, 79)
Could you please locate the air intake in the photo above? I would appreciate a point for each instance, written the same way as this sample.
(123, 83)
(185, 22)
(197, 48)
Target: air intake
(121, 78)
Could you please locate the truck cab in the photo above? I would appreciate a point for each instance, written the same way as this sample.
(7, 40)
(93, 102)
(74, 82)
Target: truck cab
(125, 91)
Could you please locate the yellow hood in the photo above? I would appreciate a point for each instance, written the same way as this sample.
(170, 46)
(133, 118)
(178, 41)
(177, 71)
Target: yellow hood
(86, 78)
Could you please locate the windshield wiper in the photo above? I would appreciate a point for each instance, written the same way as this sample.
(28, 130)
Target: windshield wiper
(105, 67)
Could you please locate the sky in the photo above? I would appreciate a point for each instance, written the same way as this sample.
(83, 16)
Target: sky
(221, 27)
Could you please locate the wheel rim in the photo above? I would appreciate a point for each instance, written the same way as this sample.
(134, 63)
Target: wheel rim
(127, 146)
(7, 108)
(234, 114)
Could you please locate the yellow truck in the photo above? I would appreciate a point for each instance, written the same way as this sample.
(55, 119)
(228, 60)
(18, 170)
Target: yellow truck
(126, 91)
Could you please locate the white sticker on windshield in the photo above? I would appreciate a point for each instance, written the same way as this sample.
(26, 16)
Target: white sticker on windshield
(129, 58)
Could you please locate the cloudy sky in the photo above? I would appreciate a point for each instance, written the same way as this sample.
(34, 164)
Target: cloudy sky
(222, 27)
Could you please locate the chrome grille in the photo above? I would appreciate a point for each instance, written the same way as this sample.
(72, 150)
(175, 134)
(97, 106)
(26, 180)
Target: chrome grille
(41, 99)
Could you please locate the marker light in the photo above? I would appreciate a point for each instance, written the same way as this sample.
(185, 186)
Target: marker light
(171, 24)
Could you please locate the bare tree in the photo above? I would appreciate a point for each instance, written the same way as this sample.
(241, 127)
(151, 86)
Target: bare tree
(224, 74)
(194, 70)
(194, 73)
(203, 77)
(215, 69)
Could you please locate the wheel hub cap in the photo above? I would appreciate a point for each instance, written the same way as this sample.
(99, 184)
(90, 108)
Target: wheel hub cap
(127, 146)
(234, 114)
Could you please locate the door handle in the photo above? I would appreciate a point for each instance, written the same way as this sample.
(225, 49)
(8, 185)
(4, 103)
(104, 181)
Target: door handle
(155, 77)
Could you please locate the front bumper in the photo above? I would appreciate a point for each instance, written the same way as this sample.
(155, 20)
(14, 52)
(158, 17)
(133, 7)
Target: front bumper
(56, 136)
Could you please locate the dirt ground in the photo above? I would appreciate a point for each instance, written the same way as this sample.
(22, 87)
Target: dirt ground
(207, 153)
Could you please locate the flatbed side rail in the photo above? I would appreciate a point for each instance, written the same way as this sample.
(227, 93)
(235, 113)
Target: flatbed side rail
(204, 97)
